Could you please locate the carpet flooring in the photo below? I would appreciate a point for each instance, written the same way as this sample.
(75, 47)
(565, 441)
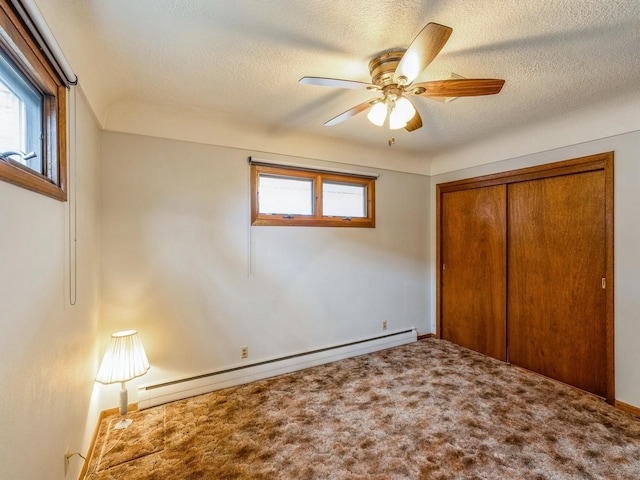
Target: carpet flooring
(428, 410)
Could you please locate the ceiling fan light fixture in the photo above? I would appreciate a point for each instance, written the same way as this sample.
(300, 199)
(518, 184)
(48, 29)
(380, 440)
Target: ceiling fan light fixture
(401, 112)
(396, 122)
(404, 109)
(378, 114)
(393, 73)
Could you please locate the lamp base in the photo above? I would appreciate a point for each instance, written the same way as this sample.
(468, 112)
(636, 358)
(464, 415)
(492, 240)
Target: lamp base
(122, 424)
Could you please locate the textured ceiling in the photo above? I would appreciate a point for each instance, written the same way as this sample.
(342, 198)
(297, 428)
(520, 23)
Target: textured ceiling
(244, 58)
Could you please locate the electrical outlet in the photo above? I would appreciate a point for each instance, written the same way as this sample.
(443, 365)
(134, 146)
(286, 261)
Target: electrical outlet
(384, 324)
(244, 351)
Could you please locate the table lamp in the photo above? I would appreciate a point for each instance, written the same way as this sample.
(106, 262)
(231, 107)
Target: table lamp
(124, 360)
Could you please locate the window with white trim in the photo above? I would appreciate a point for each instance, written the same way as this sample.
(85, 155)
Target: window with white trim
(290, 196)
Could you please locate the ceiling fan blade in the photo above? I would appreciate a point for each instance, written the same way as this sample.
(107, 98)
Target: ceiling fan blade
(414, 124)
(459, 87)
(424, 48)
(337, 83)
(352, 112)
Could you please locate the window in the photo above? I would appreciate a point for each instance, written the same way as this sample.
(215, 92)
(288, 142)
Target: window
(302, 197)
(20, 115)
(32, 112)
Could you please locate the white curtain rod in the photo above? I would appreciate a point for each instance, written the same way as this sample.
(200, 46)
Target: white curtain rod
(40, 30)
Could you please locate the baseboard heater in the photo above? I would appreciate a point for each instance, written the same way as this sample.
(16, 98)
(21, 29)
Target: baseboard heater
(152, 395)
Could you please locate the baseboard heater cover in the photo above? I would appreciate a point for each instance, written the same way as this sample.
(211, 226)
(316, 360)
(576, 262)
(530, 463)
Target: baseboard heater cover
(157, 394)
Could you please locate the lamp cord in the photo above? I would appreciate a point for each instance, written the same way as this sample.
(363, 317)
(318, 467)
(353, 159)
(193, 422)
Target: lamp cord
(115, 444)
(69, 455)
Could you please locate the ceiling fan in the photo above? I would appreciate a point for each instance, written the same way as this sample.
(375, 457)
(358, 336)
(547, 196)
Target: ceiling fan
(392, 76)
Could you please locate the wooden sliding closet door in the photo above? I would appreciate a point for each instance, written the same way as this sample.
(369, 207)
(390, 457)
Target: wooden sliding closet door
(473, 275)
(557, 263)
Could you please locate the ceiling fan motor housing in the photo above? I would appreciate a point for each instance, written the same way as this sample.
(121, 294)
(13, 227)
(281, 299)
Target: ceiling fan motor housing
(383, 67)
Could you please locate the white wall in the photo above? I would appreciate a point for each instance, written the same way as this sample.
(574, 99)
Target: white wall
(196, 125)
(181, 263)
(48, 346)
(597, 119)
(626, 148)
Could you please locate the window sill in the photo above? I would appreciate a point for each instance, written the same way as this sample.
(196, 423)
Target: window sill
(16, 174)
(279, 221)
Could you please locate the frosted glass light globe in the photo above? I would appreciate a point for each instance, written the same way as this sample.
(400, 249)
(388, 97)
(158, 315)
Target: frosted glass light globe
(401, 114)
(404, 109)
(378, 114)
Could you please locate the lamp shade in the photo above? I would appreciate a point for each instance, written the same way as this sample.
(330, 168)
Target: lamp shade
(124, 359)
(378, 114)
(402, 112)
(405, 109)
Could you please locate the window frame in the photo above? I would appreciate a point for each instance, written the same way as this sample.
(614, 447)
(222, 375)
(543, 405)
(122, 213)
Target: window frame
(18, 44)
(317, 219)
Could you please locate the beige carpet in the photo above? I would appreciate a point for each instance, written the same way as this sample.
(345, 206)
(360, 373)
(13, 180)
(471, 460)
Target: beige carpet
(429, 410)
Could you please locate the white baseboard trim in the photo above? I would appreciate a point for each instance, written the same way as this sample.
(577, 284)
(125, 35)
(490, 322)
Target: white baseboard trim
(157, 394)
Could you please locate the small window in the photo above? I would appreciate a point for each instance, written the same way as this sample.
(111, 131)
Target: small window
(341, 199)
(286, 195)
(32, 112)
(21, 116)
(301, 197)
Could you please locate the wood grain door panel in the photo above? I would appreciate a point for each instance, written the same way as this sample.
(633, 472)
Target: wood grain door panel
(556, 263)
(473, 275)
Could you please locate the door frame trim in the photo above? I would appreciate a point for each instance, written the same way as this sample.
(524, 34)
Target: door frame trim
(601, 161)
